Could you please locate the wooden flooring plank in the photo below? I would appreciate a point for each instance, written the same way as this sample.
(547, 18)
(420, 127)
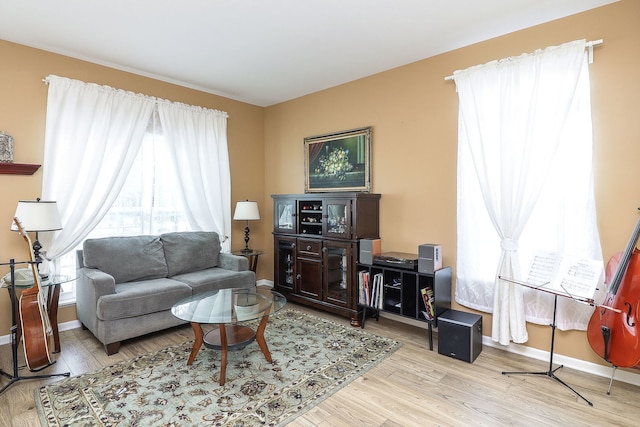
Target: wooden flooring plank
(414, 386)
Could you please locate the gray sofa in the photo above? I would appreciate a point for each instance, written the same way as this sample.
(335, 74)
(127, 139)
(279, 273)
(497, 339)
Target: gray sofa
(126, 286)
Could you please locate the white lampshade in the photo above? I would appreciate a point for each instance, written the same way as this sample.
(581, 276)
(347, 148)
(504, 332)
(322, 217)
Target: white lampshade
(37, 215)
(247, 211)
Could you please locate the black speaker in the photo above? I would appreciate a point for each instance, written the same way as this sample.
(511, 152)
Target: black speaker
(460, 335)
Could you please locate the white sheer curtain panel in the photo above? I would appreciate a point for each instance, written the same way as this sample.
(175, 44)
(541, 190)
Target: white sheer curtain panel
(93, 134)
(197, 139)
(524, 123)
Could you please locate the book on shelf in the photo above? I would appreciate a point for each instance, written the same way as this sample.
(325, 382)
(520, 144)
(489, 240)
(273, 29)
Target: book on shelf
(375, 291)
(429, 301)
(363, 287)
(379, 300)
(370, 292)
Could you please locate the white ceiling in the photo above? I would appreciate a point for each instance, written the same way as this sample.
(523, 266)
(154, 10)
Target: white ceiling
(267, 51)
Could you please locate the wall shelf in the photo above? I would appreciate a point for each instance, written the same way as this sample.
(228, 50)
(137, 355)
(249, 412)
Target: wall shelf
(18, 168)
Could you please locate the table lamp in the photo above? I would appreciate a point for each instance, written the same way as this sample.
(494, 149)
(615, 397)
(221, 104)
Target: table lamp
(39, 216)
(246, 211)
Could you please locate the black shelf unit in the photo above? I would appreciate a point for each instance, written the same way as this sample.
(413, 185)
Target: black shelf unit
(402, 292)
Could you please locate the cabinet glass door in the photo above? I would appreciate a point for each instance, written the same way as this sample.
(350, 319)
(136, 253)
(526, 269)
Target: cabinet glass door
(336, 272)
(284, 211)
(338, 218)
(285, 263)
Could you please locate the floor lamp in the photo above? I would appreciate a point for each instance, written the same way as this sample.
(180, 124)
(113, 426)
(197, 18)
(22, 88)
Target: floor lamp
(246, 211)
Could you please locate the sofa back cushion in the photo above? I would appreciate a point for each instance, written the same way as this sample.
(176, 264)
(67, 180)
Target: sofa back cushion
(126, 258)
(187, 251)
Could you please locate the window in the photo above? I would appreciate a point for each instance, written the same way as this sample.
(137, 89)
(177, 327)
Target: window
(524, 183)
(128, 178)
(149, 203)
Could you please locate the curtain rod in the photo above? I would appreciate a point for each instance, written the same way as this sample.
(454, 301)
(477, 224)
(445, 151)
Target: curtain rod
(155, 98)
(588, 45)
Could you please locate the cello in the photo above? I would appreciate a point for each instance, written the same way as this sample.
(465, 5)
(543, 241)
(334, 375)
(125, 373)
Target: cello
(613, 330)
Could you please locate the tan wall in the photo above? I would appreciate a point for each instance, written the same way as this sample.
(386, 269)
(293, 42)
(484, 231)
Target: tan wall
(413, 112)
(414, 115)
(22, 115)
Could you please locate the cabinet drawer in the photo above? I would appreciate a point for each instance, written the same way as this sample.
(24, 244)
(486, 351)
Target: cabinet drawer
(309, 247)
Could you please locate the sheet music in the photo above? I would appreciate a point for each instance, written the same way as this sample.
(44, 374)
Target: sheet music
(576, 277)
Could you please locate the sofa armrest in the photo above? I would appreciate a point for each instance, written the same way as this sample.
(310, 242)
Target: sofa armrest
(95, 283)
(90, 286)
(233, 262)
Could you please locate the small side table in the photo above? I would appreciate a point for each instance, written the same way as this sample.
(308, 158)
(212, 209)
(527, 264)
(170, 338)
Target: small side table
(52, 284)
(252, 255)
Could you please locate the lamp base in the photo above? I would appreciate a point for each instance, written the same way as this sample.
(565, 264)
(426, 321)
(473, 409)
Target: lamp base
(246, 239)
(38, 258)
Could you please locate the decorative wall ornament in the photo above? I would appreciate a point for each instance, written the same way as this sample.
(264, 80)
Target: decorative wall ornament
(338, 162)
(6, 148)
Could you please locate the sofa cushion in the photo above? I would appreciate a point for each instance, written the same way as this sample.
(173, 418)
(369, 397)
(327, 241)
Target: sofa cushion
(188, 251)
(213, 279)
(141, 297)
(126, 258)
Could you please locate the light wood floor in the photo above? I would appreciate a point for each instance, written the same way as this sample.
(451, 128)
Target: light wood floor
(413, 387)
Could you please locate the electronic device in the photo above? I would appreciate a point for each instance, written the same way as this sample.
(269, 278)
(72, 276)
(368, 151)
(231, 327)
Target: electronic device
(429, 258)
(368, 249)
(397, 259)
(460, 335)
(23, 277)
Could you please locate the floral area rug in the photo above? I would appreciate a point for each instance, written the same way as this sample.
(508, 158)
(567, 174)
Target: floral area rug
(312, 359)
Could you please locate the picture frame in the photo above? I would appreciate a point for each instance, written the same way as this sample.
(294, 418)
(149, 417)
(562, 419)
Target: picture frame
(6, 148)
(339, 161)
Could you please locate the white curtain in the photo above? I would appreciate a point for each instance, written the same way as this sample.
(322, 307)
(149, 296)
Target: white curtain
(197, 137)
(524, 182)
(93, 134)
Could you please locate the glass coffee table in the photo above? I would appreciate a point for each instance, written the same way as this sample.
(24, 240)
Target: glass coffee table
(226, 308)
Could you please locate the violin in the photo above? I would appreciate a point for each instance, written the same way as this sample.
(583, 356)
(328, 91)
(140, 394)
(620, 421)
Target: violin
(613, 328)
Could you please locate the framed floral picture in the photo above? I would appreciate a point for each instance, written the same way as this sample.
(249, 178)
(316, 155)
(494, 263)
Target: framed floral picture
(338, 161)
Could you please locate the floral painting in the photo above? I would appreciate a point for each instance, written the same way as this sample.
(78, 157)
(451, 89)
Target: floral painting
(339, 161)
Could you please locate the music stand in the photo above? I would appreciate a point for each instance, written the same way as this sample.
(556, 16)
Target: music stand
(15, 377)
(551, 372)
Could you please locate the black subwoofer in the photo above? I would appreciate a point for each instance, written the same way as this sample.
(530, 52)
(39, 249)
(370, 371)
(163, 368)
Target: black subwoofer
(460, 335)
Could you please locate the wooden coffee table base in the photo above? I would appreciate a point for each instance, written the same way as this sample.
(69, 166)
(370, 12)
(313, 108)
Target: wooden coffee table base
(229, 337)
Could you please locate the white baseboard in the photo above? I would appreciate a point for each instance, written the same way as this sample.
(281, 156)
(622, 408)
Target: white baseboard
(569, 362)
(265, 282)
(73, 324)
(534, 353)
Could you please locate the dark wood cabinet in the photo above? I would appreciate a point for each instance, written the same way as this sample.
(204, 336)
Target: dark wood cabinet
(316, 247)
